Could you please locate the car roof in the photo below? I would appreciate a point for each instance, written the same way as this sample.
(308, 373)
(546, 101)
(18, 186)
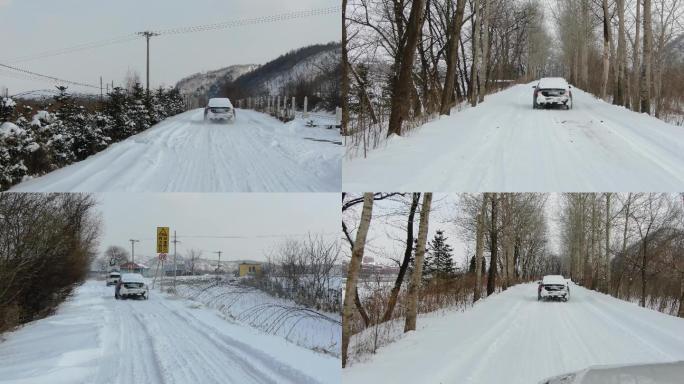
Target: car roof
(132, 277)
(554, 279)
(552, 82)
(114, 273)
(220, 102)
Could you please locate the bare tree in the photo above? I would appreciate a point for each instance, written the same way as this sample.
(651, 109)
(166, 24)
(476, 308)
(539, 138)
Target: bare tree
(414, 286)
(353, 272)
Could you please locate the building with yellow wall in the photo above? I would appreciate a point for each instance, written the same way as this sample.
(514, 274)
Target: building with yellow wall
(250, 269)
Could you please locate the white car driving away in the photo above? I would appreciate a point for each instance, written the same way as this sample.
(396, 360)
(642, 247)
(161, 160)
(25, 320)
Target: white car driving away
(553, 287)
(219, 109)
(552, 91)
(131, 284)
(113, 278)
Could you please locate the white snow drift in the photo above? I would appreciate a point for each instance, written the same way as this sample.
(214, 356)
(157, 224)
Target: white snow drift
(513, 338)
(505, 145)
(183, 154)
(96, 339)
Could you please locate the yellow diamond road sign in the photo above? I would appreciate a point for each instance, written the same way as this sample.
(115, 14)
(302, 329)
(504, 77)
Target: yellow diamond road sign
(162, 239)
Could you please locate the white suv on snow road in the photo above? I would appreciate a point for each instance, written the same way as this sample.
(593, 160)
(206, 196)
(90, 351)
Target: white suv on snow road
(552, 91)
(131, 284)
(113, 278)
(219, 109)
(553, 287)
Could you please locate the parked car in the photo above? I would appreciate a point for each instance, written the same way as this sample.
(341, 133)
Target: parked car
(553, 287)
(219, 109)
(132, 284)
(113, 278)
(551, 91)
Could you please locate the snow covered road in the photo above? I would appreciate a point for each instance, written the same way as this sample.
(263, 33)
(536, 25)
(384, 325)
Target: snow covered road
(505, 145)
(96, 339)
(512, 338)
(183, 154)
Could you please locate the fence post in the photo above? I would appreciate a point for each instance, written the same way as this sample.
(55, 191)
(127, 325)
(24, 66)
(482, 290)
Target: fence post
(293, 107)
(306, 105)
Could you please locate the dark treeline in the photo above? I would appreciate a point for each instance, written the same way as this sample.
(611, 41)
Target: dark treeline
(320, 84)
(37, 139)
(47, 242)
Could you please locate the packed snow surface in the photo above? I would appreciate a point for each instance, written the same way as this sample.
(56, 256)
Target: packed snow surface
(505, 145)
(94, 338)
(257, 153)
(513, 338)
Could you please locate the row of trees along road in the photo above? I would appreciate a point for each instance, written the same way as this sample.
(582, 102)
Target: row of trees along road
(639, 46)
(409, 60)
(630, 246)
(68, 129)
(47, 244)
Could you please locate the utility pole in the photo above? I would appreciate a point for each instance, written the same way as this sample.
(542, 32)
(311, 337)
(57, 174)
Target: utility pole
(175, 267)
(133, 241)
(101, 94)
(148, 35)
(218, 266)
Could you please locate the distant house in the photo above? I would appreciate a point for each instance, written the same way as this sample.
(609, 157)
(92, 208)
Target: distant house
(249, 269)
(134, 268)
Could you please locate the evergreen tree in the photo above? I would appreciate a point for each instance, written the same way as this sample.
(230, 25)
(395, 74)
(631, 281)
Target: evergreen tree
(441, 264)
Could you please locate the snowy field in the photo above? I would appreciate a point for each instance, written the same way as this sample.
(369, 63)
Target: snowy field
(183, 154)
(505, 145)
(94, 338)
(305, 327)
(512, 338)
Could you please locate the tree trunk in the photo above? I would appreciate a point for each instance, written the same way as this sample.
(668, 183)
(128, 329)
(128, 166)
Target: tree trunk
(416, 275)
(344, 83)
(620, 98)
(479, 247)
(681, 296)
(606, 43)
(403, 86)
(645, 93)
(476, 53)
(636, 65)
(607, 254)
(392, 302)
(491, 278)
(452, 59)
(482, 79)
(353, 273)
(624, 240)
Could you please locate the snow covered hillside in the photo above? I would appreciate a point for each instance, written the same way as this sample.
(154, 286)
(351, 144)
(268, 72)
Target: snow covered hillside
(513, 338)
(505, 145)
(205, 82)
(183, 154)
(94, 338)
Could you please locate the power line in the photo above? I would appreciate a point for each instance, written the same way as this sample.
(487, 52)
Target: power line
(75, 48)
(251, 21)
(52, 78)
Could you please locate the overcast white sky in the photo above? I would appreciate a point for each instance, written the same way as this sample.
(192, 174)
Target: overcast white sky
(136, 216)
(28, 27)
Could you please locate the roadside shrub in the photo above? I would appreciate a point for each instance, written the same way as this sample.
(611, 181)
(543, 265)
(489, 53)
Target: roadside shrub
(48, 242)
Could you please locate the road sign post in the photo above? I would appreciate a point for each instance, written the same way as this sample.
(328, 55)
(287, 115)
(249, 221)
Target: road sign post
(162, 250)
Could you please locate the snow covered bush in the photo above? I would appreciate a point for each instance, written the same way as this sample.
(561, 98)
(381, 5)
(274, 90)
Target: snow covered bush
(67, 131)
